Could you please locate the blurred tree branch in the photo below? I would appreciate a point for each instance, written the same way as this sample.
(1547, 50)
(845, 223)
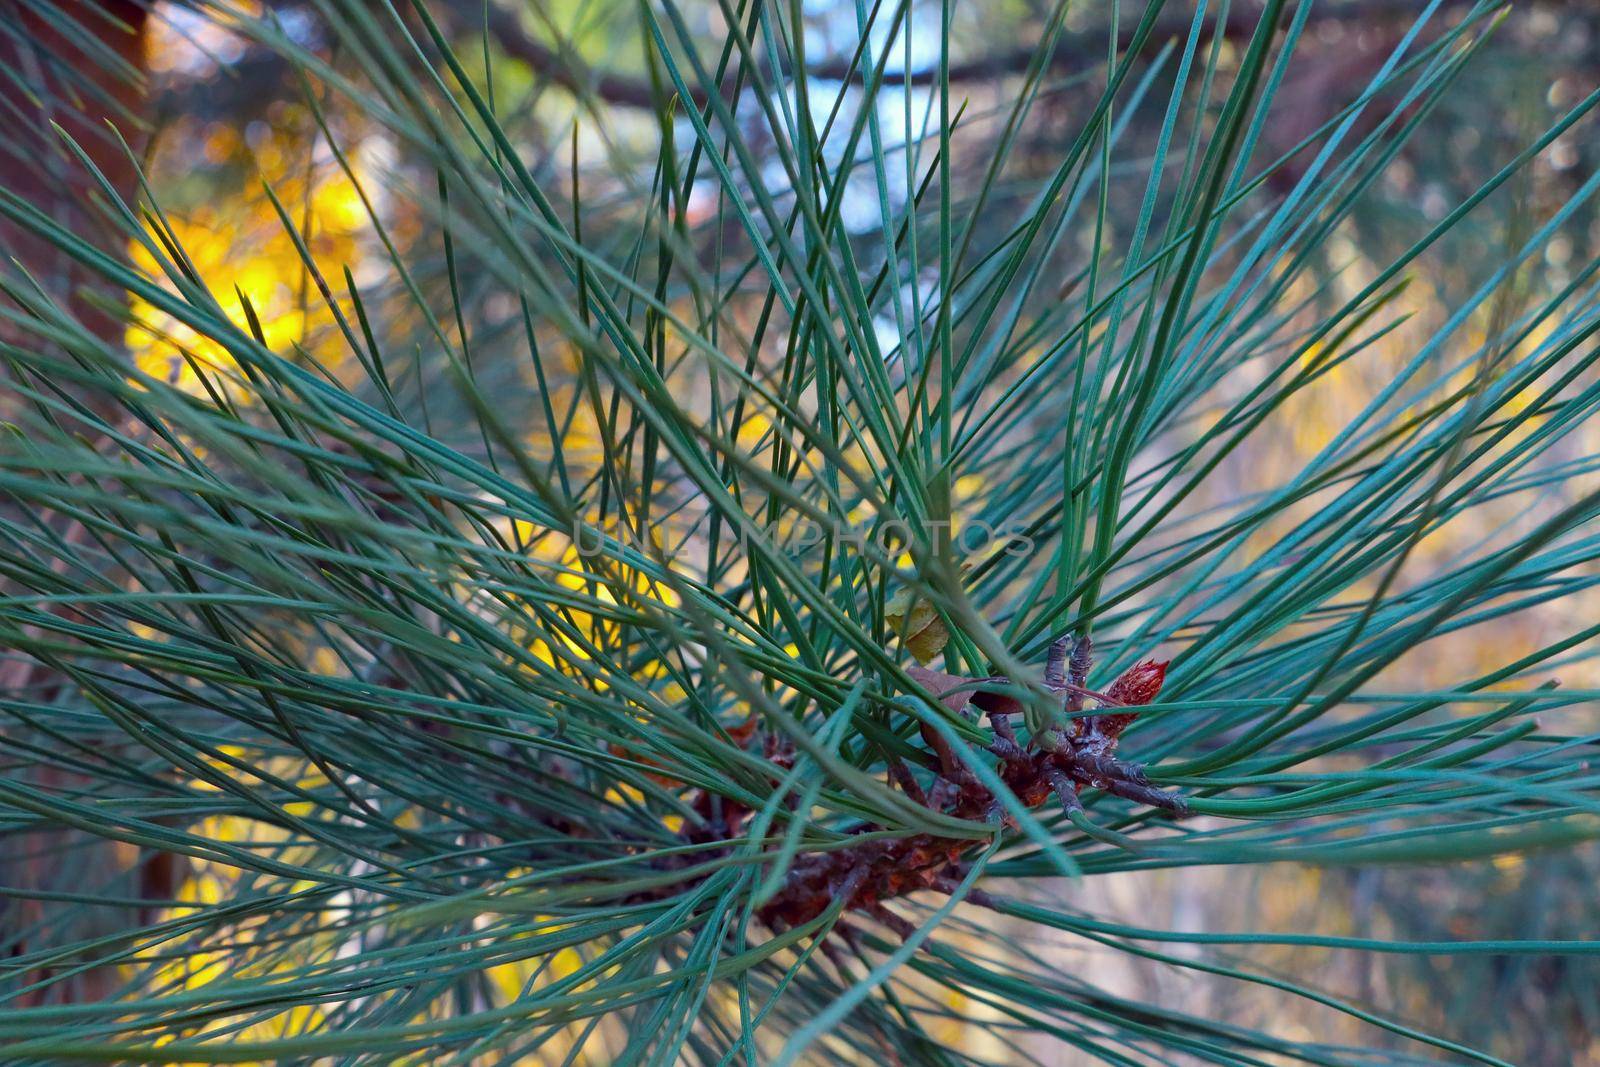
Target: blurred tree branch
(562, 66)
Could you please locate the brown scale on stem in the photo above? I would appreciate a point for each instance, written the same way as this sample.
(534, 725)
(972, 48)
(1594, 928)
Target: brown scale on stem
(1060, 763)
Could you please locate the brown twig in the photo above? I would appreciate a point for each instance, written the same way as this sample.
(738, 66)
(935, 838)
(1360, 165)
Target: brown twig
(566, 68)
(876, 870)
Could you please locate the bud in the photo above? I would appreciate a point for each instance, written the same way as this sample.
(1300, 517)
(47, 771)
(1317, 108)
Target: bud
(1139, 684)
(1135, 687)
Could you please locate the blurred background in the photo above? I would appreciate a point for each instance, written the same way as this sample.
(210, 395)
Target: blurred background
(227, 118)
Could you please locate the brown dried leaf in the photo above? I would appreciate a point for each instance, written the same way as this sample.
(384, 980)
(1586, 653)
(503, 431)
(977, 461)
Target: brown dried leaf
(921, 628)
(953, 691)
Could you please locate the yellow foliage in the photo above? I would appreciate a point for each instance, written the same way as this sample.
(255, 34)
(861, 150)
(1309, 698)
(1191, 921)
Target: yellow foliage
(243, 247)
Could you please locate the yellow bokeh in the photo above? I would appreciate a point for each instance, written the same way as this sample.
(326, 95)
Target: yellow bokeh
(242, 246)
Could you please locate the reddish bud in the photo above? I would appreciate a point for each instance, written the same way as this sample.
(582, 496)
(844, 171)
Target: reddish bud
(1139, 684)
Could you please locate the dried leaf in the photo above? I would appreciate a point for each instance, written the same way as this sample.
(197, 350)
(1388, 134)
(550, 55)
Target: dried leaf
(953, 691)
(744, 730)
(624, 752)
(921, 628)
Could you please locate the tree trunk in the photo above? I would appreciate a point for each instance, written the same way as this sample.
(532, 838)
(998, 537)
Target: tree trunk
(76, 64)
